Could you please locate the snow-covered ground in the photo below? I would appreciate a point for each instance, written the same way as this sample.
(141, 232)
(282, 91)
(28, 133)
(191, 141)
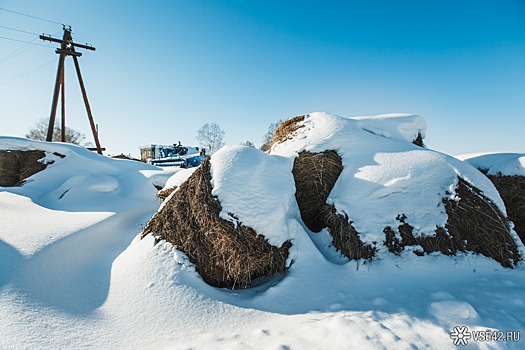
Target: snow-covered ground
(75, 274)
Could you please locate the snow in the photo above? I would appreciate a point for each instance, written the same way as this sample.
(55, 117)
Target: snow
(508, 164)
(179, 177)
(256, 187)
(396, 125)
(74, 272)
(385, 177)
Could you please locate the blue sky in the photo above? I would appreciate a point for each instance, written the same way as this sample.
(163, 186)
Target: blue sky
(164, 68)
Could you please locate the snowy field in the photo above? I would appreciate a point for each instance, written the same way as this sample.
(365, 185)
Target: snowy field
(74, 273)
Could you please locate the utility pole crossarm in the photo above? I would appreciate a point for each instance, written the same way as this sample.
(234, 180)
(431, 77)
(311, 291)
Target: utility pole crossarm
(55, 40)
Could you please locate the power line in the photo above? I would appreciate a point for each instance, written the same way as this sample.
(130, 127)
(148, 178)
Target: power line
(19, 30)
(21, 49)
(17, 52)
(26, 42)
(28, 72)
(35, 17)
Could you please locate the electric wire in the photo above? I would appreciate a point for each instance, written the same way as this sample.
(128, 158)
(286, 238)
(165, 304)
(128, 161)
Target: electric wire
(22, 49)
(19, 30)
(28, 72)
(30, 16)
(18, 51)
(26, 42)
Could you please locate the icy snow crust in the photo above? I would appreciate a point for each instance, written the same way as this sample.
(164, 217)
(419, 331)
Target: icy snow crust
(74, 273)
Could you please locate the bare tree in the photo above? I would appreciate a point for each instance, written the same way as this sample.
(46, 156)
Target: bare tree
(39, 132)
(210, 137)
(248, 144)
(267, 139)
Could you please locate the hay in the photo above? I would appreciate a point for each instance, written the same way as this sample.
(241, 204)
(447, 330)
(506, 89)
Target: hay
(418, 141)
(286, 129)
(474, 224)
(16, 166)
(162, 194)
(440, 242)
(225, 255)
(315, 175)
(512, 191)
(474, 219)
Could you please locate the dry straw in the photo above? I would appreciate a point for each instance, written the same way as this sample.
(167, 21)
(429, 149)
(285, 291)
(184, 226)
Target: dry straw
(16, 166)
(165, 193)
(315, 175)
(285, 131)
(474, 224)
(225, 255)
(512, 191)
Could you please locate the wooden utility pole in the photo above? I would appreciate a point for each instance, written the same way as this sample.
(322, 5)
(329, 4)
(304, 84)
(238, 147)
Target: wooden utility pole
(67, 48)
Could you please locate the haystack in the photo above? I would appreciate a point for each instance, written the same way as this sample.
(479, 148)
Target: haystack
(225, 255)
(474, 224)
(16, 166)
(286, 129)
(315, 175)
(512, 191)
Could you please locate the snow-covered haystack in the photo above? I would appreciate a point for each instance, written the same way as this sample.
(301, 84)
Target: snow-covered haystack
(226, 254)
(18, 165)
(57, 174)
(315, 175)
(365, 183)
(507, 173)
(362, 187)
(286, 129)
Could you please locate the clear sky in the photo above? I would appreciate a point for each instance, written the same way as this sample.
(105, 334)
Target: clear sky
(164, 68)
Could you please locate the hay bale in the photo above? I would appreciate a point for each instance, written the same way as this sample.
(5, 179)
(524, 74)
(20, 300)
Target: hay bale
(225, 255)
(474, 224)
(477, 222)
(512, 191)
(315, 175)
(16, 166)
(286, 129)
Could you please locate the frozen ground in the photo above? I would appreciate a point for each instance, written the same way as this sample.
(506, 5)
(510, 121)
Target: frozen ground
(74, 274)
